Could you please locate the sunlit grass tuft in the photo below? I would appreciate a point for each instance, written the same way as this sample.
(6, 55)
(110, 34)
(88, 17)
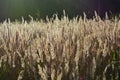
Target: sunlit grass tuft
(77, 49)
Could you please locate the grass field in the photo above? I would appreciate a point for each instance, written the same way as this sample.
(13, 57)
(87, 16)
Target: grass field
(77, 49)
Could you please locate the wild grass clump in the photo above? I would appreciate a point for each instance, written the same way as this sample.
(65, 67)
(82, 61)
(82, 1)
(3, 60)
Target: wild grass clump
(77, 49)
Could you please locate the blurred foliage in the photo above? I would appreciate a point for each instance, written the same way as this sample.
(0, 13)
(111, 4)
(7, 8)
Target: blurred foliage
(41, 8)
(15, 9)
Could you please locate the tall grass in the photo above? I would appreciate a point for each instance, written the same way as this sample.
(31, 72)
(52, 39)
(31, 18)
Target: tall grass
(77, 49)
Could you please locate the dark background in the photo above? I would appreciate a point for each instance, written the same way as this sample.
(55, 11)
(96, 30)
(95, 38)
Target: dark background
(15, 9)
